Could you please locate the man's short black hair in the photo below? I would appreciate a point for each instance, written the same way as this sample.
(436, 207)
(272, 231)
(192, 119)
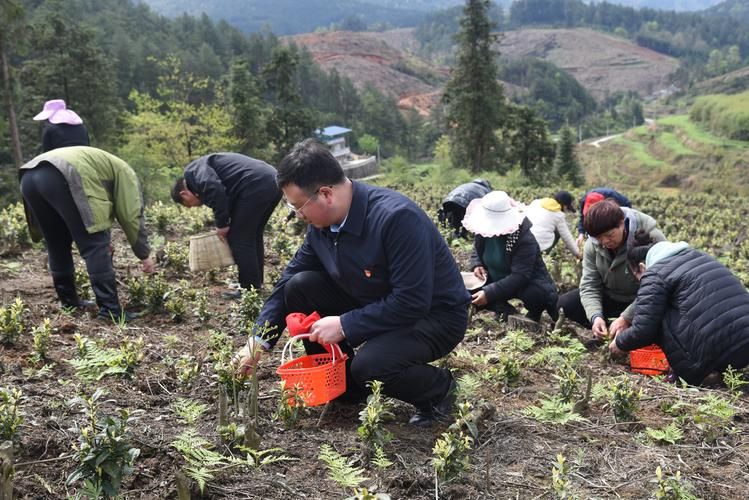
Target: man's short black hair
(309, 165)
(179, 186)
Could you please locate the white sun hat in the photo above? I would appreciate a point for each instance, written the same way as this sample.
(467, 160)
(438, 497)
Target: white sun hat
(495, 214)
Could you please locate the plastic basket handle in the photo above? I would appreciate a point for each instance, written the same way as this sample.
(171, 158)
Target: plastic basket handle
(287, 348)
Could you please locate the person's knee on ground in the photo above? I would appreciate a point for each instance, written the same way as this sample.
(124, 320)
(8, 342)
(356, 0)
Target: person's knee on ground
(573, 309)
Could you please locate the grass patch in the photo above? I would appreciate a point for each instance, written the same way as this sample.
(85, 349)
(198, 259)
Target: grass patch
(698, 134)
(638, 152)
(670, 141)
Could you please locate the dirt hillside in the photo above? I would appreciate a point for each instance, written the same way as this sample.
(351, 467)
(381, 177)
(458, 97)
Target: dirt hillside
(366, 58)
(387, 60)
(601, 63)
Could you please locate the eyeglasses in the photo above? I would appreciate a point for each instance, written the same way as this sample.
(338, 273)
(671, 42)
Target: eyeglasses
(296, 210)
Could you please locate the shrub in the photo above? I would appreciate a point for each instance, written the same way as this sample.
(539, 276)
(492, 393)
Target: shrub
(14, 231)
(103, 448)
(12, 323)
(11, 417)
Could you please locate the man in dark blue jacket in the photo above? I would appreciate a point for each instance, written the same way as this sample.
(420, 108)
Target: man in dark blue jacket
(243, 193)
(375, 267)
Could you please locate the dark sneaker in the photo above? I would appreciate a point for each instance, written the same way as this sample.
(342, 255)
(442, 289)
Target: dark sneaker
(120, 316)
(441, 413)
(232, 295)
(80, 305)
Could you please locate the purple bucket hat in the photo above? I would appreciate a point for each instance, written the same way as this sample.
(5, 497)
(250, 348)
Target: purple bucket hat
(56, 112)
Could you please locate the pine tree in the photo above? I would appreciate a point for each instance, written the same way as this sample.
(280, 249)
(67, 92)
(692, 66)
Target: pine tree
(68, 63)
(567, 166)
(249, 112)
(473, 96)
(290, 121)
(530, 146)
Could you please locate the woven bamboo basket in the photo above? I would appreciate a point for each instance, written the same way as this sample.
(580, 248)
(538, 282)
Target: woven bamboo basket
(207, 252)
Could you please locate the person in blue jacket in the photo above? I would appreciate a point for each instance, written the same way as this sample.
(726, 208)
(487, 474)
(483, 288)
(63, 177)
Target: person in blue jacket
(613, 194)
(377, 270)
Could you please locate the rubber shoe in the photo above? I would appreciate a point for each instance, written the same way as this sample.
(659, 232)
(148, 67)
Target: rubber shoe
(441, 413)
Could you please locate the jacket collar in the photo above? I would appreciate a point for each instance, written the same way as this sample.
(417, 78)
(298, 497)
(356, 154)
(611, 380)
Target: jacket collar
(357, 211)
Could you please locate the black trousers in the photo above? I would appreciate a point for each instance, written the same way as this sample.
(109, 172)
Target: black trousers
(535, 299)
(398, 358)
(46, 192)
(249, 217)
(452, 215)
(574, 310)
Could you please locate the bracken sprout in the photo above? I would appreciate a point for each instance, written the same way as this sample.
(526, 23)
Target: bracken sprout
(713, 417)
(569, 383)
(734, 380)
(671, 434)
(339, 469)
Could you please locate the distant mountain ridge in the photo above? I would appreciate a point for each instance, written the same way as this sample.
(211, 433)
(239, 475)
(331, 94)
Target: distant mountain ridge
(287, 17)
(736, 9)
(677, 5)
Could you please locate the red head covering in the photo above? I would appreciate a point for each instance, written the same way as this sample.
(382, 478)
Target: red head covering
(591, 200)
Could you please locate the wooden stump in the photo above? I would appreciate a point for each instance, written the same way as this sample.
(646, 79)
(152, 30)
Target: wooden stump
(6, 470)
(516, 322)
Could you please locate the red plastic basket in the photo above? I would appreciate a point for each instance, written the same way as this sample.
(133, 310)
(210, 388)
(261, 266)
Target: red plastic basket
(321, 377)
(649, 360)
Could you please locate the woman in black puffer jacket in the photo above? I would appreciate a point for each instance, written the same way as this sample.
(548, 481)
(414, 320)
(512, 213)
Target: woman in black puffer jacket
(689, 304)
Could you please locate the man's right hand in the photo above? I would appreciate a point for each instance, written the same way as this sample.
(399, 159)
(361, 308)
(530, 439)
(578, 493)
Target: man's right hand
(480, 272)
(245, 359)
(599, 328)
(148, 265)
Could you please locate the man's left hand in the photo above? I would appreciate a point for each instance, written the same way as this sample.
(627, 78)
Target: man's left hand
(222, 233)
(327, 330)
(619, 325)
